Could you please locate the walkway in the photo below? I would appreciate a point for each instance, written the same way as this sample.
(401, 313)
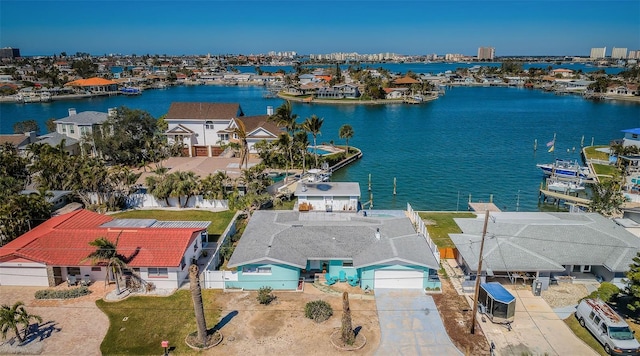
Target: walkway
(410, 324)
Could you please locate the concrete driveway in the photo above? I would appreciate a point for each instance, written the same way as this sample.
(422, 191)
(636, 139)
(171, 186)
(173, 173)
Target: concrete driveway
(410, 324)
(536, 330)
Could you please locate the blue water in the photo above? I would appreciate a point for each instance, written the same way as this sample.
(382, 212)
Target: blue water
(471, 141)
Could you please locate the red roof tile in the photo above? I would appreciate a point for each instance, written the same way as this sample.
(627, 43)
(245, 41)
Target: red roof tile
(64, 241)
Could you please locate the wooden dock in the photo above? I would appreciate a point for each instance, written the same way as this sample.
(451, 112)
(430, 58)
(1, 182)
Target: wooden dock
(482, 207)
(565, 197)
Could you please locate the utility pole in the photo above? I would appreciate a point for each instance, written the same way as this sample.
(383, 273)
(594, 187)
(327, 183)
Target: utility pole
(478, 274)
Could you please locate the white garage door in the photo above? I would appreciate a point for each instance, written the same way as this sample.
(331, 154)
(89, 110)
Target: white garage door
(398, 279)
(23, 276)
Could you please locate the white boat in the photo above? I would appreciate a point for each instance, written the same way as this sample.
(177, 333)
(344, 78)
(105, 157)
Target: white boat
(564, 169)
(565, 186)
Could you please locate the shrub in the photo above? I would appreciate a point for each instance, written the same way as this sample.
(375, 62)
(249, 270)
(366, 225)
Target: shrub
(318, 310)
(606, 292)
(265, 296)
(62, 293)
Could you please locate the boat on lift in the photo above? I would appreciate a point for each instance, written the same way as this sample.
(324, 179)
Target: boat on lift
(564, 169)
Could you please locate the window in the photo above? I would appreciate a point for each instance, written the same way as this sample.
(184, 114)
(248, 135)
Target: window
(71, 129)
(158, 272)
(74, 271)
(592, 314)
(96, 269)
(182, 263)
(208, 125)
(347, 263)
(260, 270)
(195, 246)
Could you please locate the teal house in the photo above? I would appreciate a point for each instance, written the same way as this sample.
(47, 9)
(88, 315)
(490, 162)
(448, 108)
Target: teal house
(380, 249)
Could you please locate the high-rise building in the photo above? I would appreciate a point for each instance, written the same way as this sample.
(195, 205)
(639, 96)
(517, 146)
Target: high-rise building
(9, 52)
(486, 53)
(634, 54)
(619, 53)
(597, 53)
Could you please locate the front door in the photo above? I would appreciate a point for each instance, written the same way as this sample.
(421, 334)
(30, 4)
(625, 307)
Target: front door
(57, 275)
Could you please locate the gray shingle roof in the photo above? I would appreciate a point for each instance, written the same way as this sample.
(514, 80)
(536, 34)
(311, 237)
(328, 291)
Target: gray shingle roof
(283, 237)
(84, 118)
(546, 241)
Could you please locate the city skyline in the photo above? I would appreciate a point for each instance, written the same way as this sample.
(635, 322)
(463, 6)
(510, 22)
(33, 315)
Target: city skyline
(171, 27)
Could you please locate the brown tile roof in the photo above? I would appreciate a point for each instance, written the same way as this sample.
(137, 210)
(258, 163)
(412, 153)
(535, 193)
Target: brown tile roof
(405, 80)
(16, 140)
(251, 123)
(204, 111)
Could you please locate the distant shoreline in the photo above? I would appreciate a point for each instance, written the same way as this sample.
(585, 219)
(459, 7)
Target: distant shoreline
(351, 101)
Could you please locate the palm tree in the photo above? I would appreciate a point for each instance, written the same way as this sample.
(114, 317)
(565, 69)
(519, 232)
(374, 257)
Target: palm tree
(284, 142)
(346, 132)
(107, 252)
(313, 125)
(348, 336)
(198, 307)
(12, 317)
(213, 185)
(241, 134)
(184, 184)
(285, 117)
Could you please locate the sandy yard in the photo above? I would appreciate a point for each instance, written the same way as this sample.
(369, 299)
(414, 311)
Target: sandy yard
(77, 326)
(69, 327)
(281, 327)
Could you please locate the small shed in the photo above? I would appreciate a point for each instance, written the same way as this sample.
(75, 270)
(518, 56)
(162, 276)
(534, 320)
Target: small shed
(496, 302)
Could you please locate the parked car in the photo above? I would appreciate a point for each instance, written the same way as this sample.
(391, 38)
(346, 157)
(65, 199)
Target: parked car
(609, 328)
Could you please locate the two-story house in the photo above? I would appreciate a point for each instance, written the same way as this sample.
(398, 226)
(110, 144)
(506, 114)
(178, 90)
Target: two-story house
(205, 128)
(74, 128)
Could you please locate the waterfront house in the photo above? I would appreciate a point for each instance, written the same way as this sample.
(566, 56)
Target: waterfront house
(157, 251)
(395, 93)
(546, 247)
(74, 128)
(631, 137)
(340, 91)
(94, 85)
(281, 249)
(405, 81)
(561, 73)
(258, 128)
(204, 128)
(623, 89)
(306, 78)
(328, 196)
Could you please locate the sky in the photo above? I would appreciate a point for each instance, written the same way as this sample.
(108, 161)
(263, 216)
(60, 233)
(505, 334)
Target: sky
(512, 27)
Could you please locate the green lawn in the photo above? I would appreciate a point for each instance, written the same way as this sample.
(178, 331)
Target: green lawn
(591, 153)
(150, 320)
(602, 169)
(219, 220)
(584, 335)
(444, 225)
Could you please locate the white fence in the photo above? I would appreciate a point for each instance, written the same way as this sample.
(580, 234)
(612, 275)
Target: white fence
(421, 228)
(216, 279)
(210, 277)
(145, 200)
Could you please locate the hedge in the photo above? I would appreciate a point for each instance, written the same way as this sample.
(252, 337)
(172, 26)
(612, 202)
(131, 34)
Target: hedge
(62, 293)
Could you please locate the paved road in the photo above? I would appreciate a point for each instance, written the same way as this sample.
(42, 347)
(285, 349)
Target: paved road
(410, 324)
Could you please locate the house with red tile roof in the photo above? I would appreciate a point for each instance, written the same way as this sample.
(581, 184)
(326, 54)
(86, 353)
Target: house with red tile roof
(157, 251)
(94, 85)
